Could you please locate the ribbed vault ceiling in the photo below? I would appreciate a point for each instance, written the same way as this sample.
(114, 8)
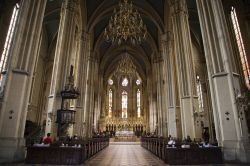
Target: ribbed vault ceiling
(98, 13)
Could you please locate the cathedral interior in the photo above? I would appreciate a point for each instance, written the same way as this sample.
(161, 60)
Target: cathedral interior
(187, 71)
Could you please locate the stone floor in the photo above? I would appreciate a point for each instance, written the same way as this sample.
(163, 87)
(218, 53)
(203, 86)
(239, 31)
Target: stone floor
(124, 154)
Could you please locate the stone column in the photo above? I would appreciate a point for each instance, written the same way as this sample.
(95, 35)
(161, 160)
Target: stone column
(145, 105)
(89, 95)
(223, 82)
(24, 52)
(99, 101)
(162, 64)
(96, 109)
(184, 64)
(158, 67)
(81, 82)
(102, 92)
(61, 65)
(152, 106)
(167, 42)
(164, 95)
(157, 64)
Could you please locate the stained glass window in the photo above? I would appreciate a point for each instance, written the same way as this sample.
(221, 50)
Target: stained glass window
(138, 82)
(138, 103)
(199, 93)
(110, 103)
(244, 61)
(125, 82)
(124, 104)
(111, 82)
(8, 40)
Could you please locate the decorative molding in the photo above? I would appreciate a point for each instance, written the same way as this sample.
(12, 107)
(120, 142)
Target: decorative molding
(70, 5)
(85, 36)
(222, 74)
(178, 7)
(50, 96)
(158, 58)
(92, 58)
(22, 72)
(186, 97)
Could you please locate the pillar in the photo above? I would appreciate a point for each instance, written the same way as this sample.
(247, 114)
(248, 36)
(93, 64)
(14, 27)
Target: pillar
(81, 83)
(24, 51)
(224, 83)
(157, 65)
(159, 72)
(167, 42)
(152, 104)
(184, 64)
(89, 95)
(61, 64)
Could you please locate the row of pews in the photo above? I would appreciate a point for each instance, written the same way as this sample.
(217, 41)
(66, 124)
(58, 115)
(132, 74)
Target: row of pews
(76, 152)
(182, 156)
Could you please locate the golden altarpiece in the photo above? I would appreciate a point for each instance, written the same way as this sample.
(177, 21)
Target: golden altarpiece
(123, 107)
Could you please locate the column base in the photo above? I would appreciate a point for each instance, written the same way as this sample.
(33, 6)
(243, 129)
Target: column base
(188, 104)
(236, 151)
(172, 129)
(12, 149)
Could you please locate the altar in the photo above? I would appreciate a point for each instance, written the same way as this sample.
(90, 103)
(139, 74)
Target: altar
(125, 136)
(124, 133)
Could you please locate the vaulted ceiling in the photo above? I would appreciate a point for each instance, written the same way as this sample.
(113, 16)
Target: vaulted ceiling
(98, 13)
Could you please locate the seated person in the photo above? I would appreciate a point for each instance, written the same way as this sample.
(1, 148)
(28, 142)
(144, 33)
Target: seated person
(188, 140)
(207, 145)
(48, 139)
(75, 137)
(171, 142)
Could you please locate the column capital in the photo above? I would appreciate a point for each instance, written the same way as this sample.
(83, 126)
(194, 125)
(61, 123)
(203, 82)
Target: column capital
(93, 56)
(167, 37)
(178, 7)
(158, 58)
(85, 36)
(166, 43)
(70, 5)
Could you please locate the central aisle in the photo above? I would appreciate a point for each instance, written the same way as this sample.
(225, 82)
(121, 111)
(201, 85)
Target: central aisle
(126, 154)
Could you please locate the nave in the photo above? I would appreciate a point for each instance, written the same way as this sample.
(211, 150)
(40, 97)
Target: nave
(125, 154)
(87, 69)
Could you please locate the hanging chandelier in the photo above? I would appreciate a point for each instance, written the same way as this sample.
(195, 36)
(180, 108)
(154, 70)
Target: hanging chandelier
(126, 24)
(125, 66)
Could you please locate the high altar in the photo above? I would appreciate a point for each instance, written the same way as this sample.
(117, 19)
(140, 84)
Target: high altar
(123, 111)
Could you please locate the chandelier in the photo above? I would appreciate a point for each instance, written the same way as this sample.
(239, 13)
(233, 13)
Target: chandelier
(125, 67)
(126, 24)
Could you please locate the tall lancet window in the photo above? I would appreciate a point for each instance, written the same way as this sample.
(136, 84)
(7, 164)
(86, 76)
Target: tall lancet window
(8, 40)
(110, 103)
(199, 93)
(243, 57)
(124, 104)
(138, 103)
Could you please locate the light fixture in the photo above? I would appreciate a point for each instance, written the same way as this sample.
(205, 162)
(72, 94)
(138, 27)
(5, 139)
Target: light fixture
(126, 24)
(126, 66)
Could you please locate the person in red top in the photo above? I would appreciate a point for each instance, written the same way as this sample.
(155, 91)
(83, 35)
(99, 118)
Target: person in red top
(48, 139)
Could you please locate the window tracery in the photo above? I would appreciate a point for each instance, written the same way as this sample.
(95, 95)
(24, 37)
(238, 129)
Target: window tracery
(138, 103)
(241, 47)
(110, 103)
(110, 82)
(199, 93)
(8, 41)
(124, 104)
(125, 82)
